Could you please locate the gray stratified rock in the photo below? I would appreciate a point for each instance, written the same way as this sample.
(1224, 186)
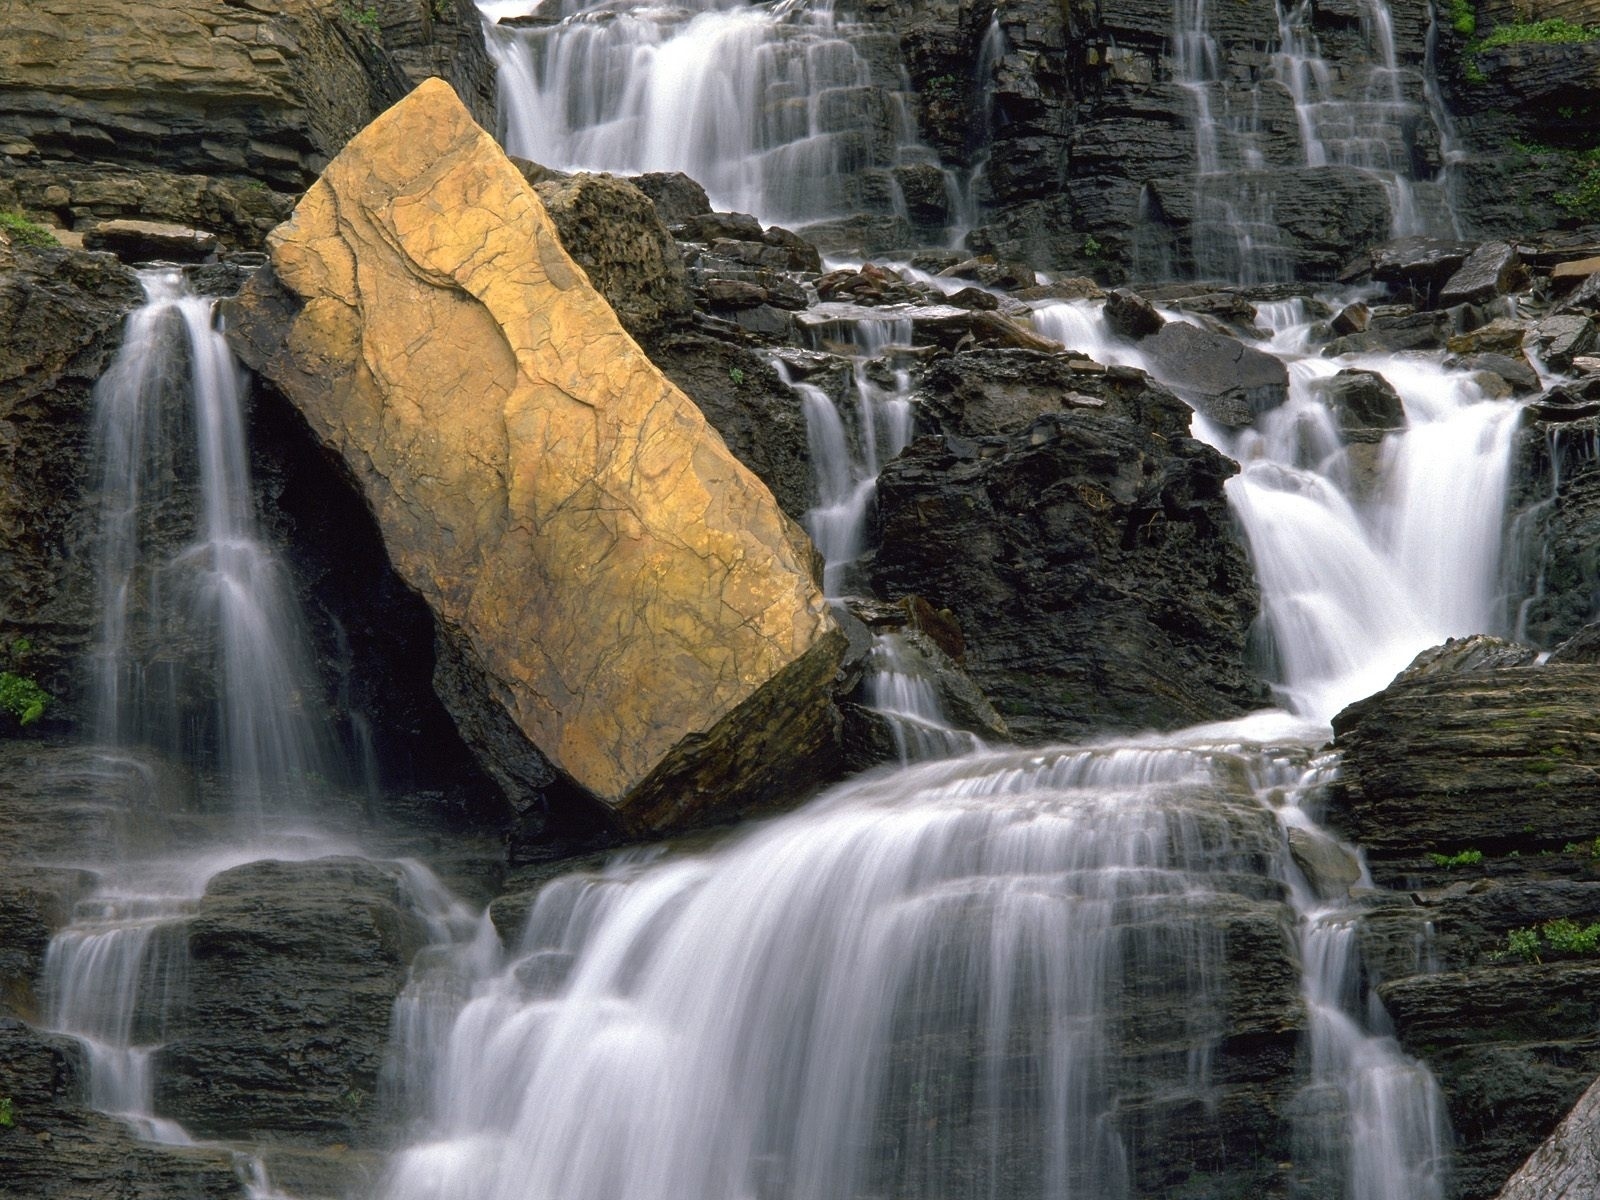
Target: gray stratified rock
(61, 315)
(1560, 339)
(145, 241)
(1131, 315)
(58, 1150)
(1419, 265)
(1474, 746)
(1493, 269)
(293, 974)
(1365, 404)
(1089, 556)
(1222, 377)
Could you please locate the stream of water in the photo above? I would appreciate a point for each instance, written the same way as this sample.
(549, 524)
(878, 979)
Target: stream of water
(995, 973)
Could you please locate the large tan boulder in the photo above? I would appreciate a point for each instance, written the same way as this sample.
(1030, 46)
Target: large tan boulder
(603, 572)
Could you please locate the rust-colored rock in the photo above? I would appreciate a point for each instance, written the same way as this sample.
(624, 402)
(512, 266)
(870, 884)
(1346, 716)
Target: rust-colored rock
(603, 572)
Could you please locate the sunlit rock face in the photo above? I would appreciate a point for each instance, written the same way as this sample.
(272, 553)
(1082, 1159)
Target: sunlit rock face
(610, 585)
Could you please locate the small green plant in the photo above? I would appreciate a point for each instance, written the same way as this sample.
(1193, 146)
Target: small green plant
(1092, 247)
(1463, 17)
(1563, 938)
(1552, 31)
(942, 89)
(1589, 849)
(23, 231)
(736, 374)
(1582, 199)
(8, 1113)
(439, 9)
(1523, 944)
(1472, 72)
(361, 18)
(1465, 858)
(20, 695)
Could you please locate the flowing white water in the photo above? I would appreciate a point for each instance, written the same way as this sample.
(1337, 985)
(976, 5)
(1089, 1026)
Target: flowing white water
(215, 617)
(1365, 554)
(1363, 114)
(771, 107)
(202, 660)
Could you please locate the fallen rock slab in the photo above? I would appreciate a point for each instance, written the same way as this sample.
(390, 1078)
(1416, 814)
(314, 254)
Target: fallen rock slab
(614, 593)
(1222, 377)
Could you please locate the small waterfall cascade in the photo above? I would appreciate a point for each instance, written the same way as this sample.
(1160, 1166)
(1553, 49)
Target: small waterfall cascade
(848, 448)
(1369, 114)
(849, 444)
(201, 651)
(776, 109)
(202, 659)
(925, 984)
(1366, 553)
(990, 51)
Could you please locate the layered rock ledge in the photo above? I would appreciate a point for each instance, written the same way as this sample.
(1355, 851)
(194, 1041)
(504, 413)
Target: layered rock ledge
(614, 593)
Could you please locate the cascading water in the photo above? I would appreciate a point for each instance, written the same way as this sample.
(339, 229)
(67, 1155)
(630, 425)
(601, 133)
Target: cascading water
(1364, 115)
(772, 108)
(202, 659)
(927, 983)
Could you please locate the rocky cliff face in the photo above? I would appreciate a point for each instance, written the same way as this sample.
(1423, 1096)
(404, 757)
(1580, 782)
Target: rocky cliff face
(213, 115)
(61, 317)
(1083, 539)
(620, 593)
(1470, 781)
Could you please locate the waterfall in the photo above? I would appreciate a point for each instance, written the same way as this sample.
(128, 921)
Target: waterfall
(212, 614)
(772, 107)
(1362, 115)
(202, 659)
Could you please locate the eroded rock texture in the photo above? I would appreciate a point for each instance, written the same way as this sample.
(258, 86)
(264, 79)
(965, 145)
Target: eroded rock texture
(610, 585)
(1087, 550)
(214, 113)
(61, 316)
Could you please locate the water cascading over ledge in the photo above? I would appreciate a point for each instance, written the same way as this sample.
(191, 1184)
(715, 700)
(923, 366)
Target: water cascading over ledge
(784, 110)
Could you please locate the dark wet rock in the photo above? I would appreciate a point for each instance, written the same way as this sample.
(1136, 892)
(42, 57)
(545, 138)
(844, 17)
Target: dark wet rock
(989, 392)
(1394, 332)
(61, 315)
(1089, 557)
(942, 325)
(1560, 339)
(1513, 1048)
(1564, 404)
(56, 1149)
(1493, 269)
(1418, 267)
(147, 241)
(869, 284)
(1131, 315)
(1514, 368)
(989, 271)
(1222, 377)
(1473, 746)
(293, 973)
(677, 197)
(973, 298)
(1352, 318)
(1581, 647)
(1556, 488)
(1363, 402)
(35, 902)
(611, 228)
(1503, 335)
